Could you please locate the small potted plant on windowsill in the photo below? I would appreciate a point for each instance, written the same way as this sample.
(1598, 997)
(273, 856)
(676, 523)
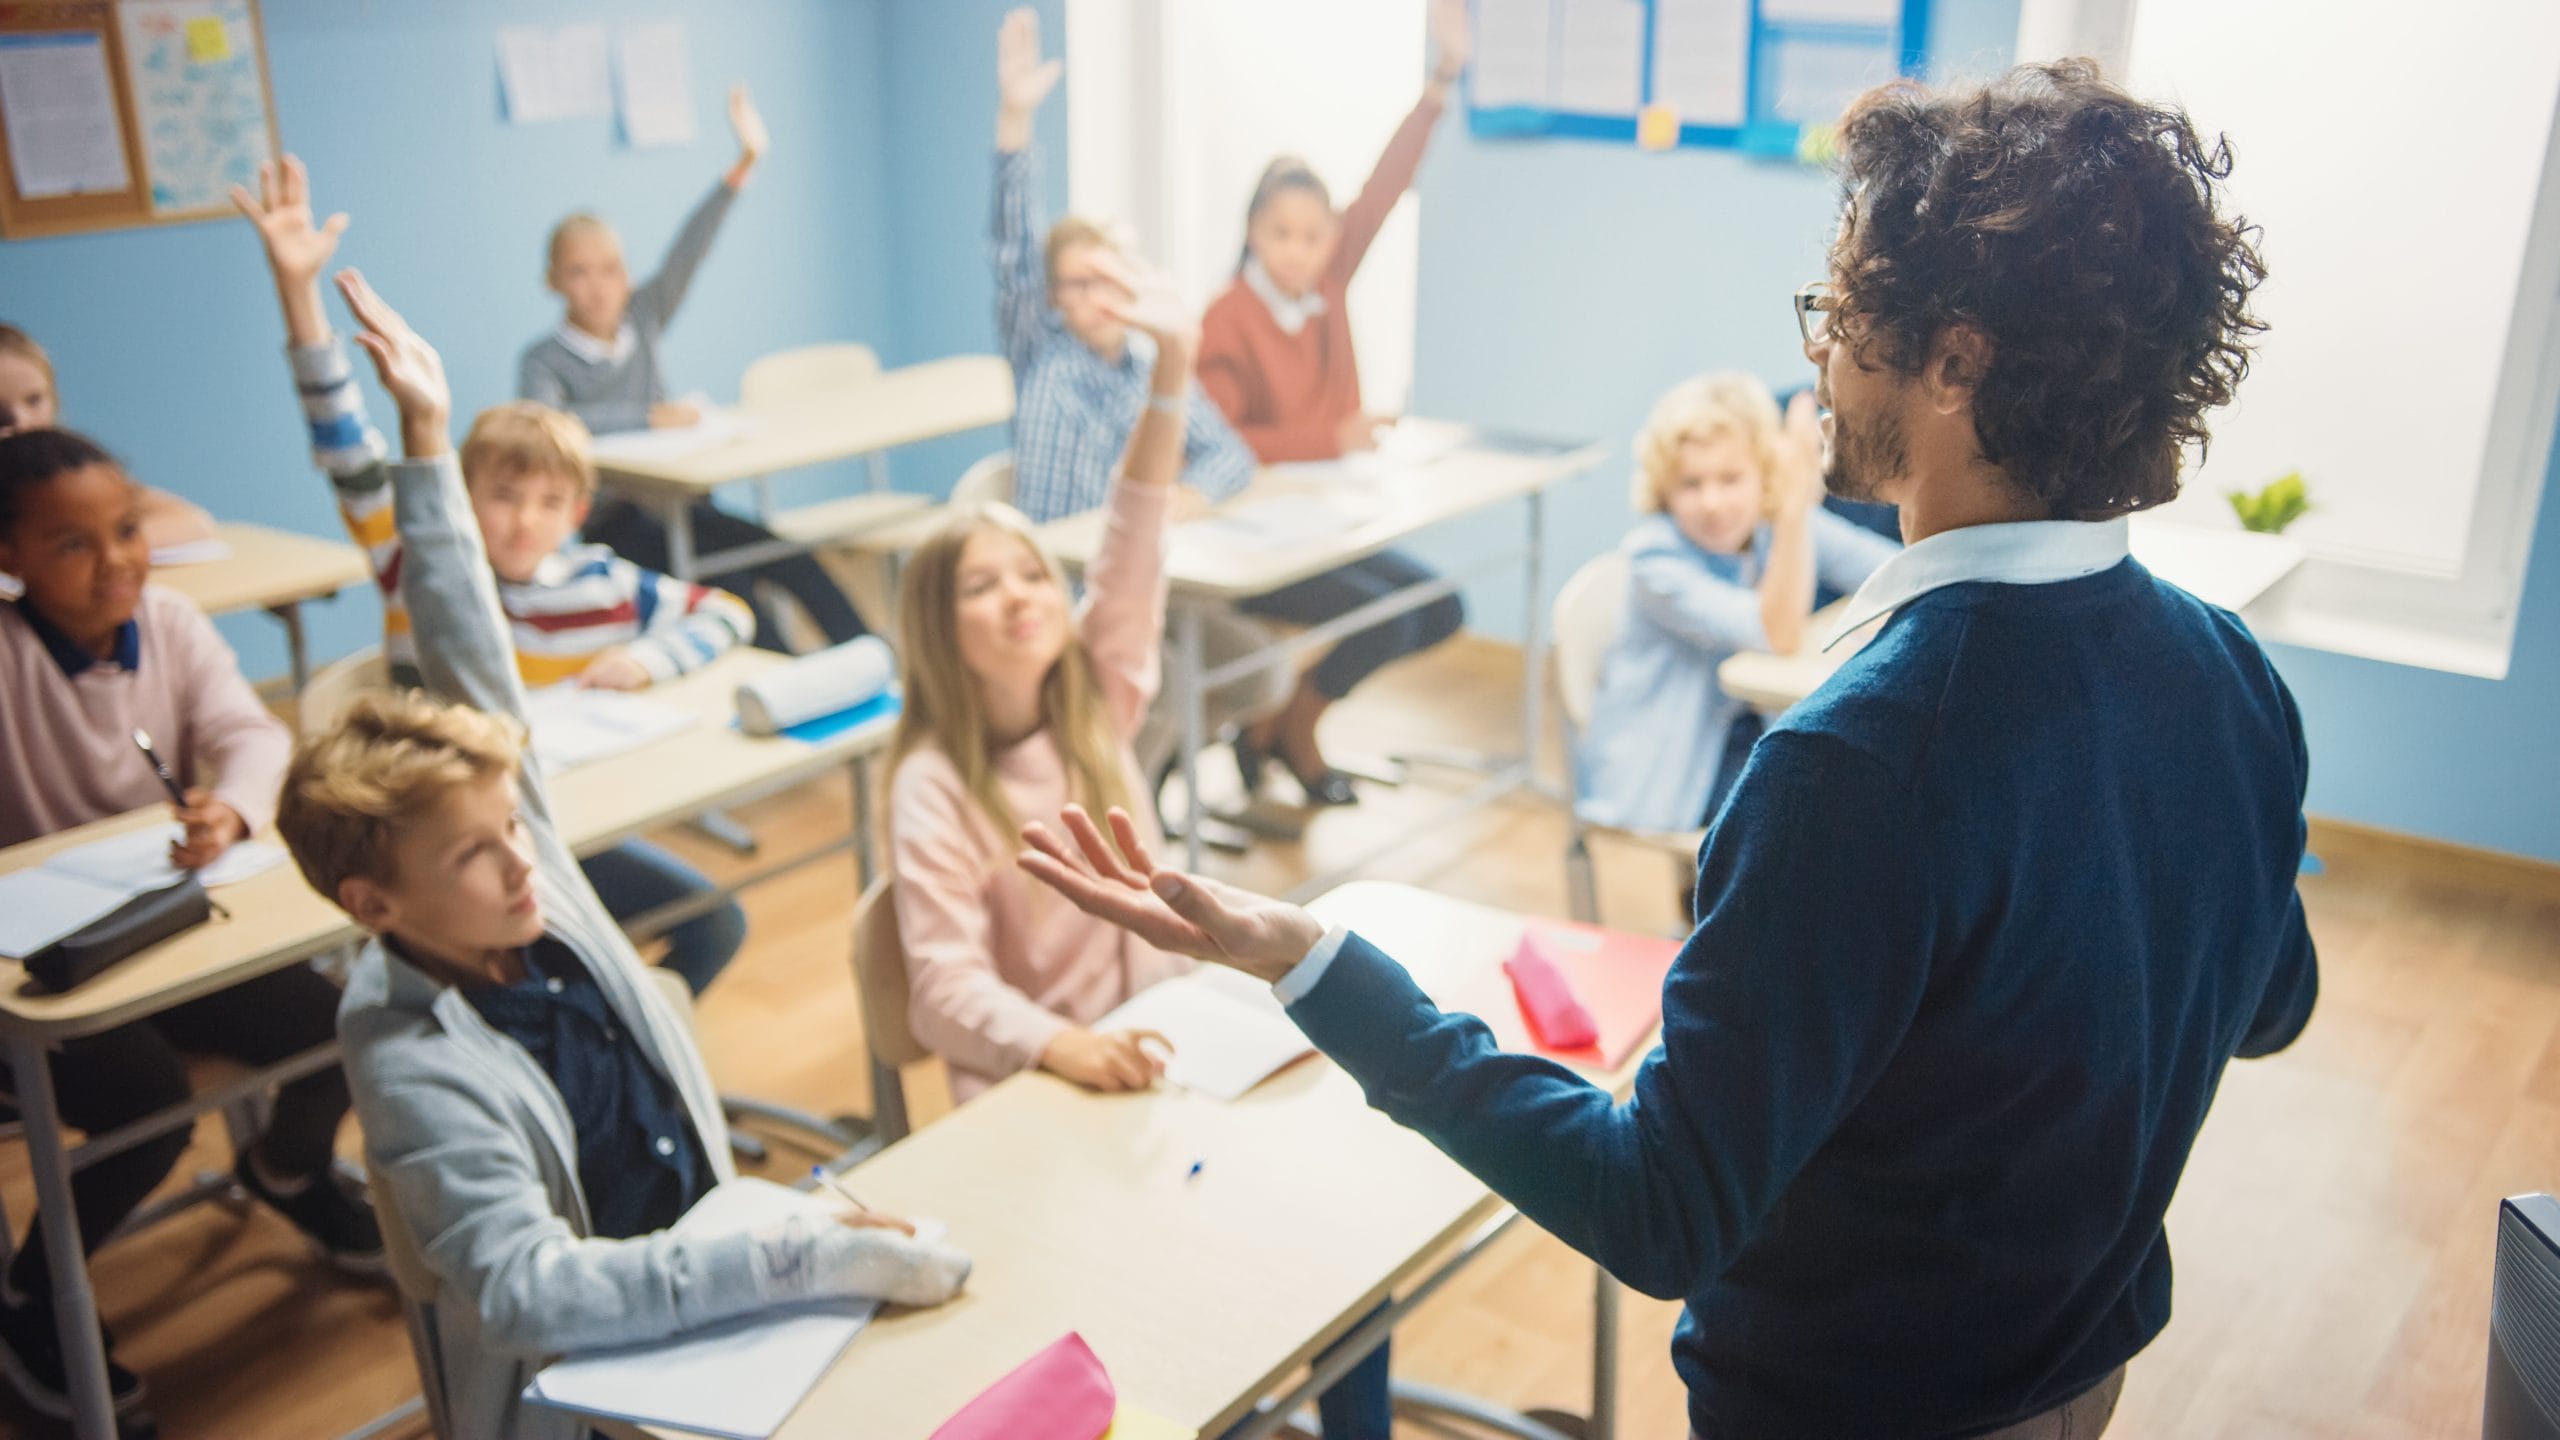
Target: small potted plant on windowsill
(2285, 499)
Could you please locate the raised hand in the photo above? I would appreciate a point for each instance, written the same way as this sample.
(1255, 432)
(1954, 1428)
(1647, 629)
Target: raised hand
(1145, 298)
(1023, 79)
(1799, 477)
(1186, 914)
(747, 123)
(1451, 38)
(296, 248)
(410, 368)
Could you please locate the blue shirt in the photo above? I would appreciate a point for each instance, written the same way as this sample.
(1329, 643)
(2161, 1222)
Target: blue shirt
(1073, 409)
(639, 1160)
(1650, 756)
(1980, 926)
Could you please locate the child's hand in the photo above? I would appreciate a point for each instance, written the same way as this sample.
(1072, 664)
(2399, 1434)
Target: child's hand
(614, 670)
(212, 827)
(1799, 477)
(1186, 504)
(874, 1220)
(748, 126)
(1023, 79)
(296, 248)
(1110, 1063)
(673, 415)
(410, 368)
(1359, 431)
(1450, 37)
(1144, 297)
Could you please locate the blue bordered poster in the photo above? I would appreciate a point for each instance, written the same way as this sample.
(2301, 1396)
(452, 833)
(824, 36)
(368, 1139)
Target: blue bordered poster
(1749, 74)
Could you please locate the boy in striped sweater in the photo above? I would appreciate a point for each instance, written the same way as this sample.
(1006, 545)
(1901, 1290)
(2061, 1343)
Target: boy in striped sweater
(579, 615)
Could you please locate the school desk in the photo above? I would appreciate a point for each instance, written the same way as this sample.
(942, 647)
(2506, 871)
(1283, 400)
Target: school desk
(271, 570)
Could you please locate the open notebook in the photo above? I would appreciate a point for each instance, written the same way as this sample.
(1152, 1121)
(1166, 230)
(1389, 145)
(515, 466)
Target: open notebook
(43, 903)
(1228, 1030)
(739, 1380)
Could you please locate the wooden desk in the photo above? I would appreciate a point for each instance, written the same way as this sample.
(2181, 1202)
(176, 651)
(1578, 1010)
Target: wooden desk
(1200, 1296)
(893, 408)
(271, 570)
(277, 920)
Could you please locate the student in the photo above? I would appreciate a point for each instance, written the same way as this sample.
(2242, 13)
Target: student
(89, 654)
(581, 614)
(29, 401)
(1732, 540)
(1015, 704)
(534, 1112)
(601, 364)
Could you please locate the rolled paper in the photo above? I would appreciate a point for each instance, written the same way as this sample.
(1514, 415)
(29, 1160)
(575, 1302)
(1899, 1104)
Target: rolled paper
(825, 682)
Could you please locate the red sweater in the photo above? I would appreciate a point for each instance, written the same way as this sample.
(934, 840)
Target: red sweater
(1287, 394)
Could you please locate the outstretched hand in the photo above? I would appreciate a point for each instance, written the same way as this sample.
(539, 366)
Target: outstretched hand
(1143, 297)
(410, 368)
(296, 248)
(1186, 914)
(747, 123)
(1800, 465)
(1450, 36)
(1023, 78)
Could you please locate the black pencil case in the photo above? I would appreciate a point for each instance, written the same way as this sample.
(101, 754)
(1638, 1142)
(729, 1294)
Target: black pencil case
(120, 934)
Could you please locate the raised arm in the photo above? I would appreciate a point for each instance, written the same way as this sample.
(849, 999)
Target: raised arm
(662, 293)
(1023, 81)
(1122, 621)
(1786, 583)
(1393, 174)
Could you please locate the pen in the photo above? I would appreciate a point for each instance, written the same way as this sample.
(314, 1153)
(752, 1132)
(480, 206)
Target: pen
(819, 1174)
(169, 782)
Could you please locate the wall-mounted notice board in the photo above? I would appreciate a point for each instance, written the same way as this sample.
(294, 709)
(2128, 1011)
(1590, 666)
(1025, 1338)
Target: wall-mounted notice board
(1750, 74)
(128, 112)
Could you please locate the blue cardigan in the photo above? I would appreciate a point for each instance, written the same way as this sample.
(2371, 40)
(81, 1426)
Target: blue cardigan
(1982, 923)
(1649, 758)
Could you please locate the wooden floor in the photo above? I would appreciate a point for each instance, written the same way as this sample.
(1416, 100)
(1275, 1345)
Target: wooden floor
(2333, 1233)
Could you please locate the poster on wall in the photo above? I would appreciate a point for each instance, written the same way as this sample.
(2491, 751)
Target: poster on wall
(60, 110)
(199, 98)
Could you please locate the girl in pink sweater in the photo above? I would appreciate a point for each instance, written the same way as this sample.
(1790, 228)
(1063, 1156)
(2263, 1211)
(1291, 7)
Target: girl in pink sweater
(1015, 704)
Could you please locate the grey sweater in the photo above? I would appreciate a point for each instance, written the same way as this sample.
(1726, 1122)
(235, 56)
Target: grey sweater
(612, 395)
(468, 1141)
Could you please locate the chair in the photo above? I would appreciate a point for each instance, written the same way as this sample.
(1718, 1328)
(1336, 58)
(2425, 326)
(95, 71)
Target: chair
(417, 1284)
(988, 481)
(880, 978)
(334, 686)
(1587, 614)
(2523, 1397)
(789, 378)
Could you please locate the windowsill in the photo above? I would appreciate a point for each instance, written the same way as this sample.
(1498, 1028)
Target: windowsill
(2352, 610)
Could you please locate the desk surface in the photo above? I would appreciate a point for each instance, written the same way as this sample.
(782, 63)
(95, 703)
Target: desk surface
(1412, 498)
(276, 919)
(1199, 1296)
(266, 567)
(1770, 683)
(896, 407)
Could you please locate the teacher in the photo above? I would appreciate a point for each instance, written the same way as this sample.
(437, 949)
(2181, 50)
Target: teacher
(1985, 917)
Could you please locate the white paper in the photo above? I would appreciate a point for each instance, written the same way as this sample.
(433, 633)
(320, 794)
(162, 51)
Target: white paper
(1702, 59)
(138, 860)
(60, 109)
(1514, 52)
(1880, 14)
(2224, 567)
(40, 906)
(1599, 62)
(1278, 522)
(741, 1379)
(572, 727)
(561, 73)
(192, 552)
(716, 426)
(1229, 1032)
(202, 110)
(655, 85)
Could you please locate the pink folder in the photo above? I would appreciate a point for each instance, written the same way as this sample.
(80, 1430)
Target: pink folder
(1059, 1394)
(1614, 976)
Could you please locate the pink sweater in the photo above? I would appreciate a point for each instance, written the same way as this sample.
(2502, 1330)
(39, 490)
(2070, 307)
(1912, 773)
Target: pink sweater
(66, 750)
(998, 965)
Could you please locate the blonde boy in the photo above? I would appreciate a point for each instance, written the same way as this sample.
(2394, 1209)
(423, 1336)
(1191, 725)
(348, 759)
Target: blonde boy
(576, 613)
(535, 1115)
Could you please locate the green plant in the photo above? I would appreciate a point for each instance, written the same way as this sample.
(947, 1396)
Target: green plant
(2285, 500)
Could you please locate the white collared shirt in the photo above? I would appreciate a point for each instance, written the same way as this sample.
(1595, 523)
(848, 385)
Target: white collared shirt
(598, 352)
(1292, 311)
(2027, 552)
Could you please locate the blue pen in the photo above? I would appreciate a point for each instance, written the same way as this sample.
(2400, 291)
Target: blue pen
(819, 1174)
(1196, 1167)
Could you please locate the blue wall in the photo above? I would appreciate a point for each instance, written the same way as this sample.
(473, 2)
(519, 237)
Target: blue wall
(167, 339)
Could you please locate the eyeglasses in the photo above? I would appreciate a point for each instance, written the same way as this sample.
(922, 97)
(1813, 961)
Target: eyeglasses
(1814, 309)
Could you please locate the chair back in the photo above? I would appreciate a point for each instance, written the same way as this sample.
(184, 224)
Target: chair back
(990, 480)
(1586, 618)
(335, 686)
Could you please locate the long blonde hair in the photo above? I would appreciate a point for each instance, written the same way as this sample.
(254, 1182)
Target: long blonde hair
(943, 709)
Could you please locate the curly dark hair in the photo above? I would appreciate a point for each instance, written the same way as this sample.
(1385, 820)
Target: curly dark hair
(2076, 227)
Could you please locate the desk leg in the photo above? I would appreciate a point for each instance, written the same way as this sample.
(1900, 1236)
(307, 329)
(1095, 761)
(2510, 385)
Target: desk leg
(865, 864)
(1604, 1356)
(1186, 684)
(677, 516)
(1533, 654)
(75, 1307)
(296, 644)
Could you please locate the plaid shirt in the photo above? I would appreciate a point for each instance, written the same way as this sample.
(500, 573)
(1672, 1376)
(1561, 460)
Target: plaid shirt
(1074, 409)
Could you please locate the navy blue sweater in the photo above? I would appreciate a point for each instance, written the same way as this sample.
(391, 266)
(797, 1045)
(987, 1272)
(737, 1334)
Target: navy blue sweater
(1982, 924)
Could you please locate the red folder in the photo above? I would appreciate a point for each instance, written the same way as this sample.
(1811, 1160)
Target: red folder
(1061, 1393)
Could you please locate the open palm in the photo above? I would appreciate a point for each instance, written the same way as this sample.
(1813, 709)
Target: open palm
(1023, 79)
(296, 248)
(409, 366)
